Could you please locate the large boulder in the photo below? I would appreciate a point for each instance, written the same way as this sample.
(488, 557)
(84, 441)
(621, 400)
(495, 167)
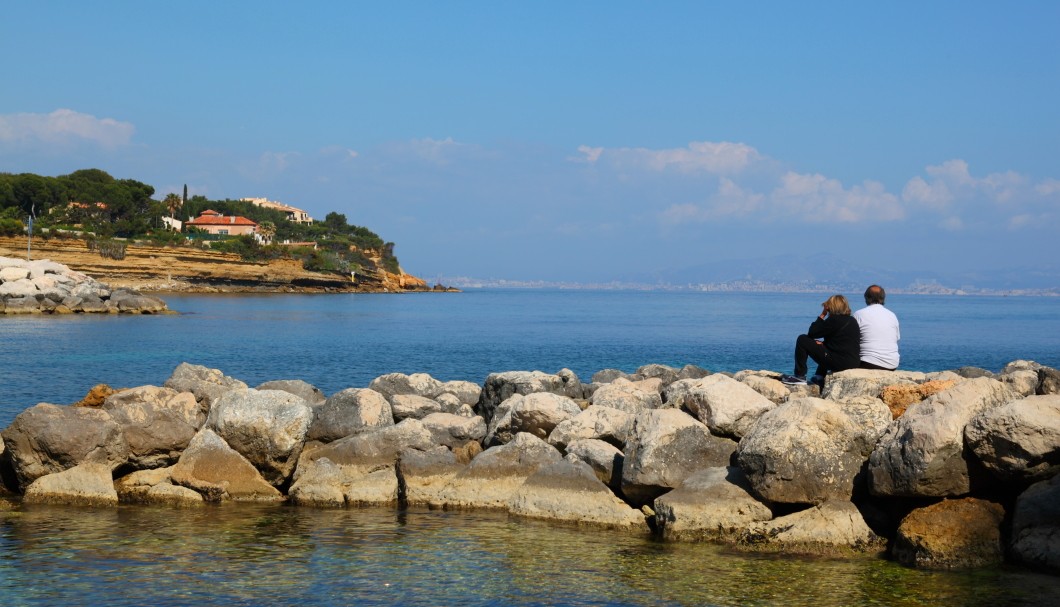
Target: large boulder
(422, 475)
(495, 475)
(420, 384)
(46, 439)
(603, 423)
(854, 383)
(1048, 381)
(1036, 525)
(627, 396)
(465, 392)
(86, 484)
(219, 472)
(405, 406)
(1020, 439)
(664, 447)
(922, 453)
(807, 451)
(768, 386)
(453, 430)
(1024, 382)
(499, 387)
(568, 491)
(828, 528)
(268, 427)
(158, 423)
(541, 412)
(155, 486)
(206, 384)
(952, 534)
(302, 389)
(348, 412)
(714, 503)
(604, 459)
(726, 406)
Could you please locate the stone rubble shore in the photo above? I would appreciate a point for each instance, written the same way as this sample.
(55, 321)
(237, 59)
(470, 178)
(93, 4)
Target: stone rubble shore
(950, 469)
(46, 287)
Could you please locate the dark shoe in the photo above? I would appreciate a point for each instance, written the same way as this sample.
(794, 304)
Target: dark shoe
(793, 380)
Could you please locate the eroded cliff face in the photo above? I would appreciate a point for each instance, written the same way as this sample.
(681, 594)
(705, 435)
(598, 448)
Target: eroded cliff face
(189, 269)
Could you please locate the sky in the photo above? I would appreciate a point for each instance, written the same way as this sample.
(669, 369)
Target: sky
(570, 141)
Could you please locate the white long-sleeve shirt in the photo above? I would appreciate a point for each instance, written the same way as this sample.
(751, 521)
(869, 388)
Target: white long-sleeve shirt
(879, 336)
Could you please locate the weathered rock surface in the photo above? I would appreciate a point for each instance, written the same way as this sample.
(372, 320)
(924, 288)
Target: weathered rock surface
(603, 423)
(541, 412)
(665, 446)
(900, 397)
(155, 487)
(348, 412)
(604, 459)
(807, 451)
(1036, 525)
(952, 534)
(922, 452)
(494, 476)
(726, 406)
(1020, 439)
(43, 286)
(219, 472)
(453, 430)
(158, 423)
(834, 526)
(302, 389)
(86, 484)
(569, 491)
(627, 396)
(714, 503)
(418, 384)
(206, 384)
(268, 427)
(499, 387)
(405, 406)
(854, 383)
(422, 475)
(46, 439)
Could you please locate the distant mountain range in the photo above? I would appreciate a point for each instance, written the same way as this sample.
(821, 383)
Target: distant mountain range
(812, 273)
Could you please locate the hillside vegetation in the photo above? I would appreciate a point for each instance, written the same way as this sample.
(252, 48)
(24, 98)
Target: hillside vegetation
(93, 205)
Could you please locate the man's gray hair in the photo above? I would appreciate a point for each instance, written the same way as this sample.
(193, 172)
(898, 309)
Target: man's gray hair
(874, 295)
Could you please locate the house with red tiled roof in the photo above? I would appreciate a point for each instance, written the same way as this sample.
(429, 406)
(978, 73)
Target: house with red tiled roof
(225, 225)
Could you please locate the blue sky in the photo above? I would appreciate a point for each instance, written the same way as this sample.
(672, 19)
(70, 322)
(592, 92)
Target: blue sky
(578, 141)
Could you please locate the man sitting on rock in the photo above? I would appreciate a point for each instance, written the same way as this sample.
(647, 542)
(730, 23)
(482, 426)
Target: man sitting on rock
(879, 332)
(831, 341)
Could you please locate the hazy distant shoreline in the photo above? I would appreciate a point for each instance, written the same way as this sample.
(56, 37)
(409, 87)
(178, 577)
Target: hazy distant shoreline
(741, 287)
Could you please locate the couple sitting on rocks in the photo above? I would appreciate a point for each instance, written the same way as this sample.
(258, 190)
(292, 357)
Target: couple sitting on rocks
(839, 340)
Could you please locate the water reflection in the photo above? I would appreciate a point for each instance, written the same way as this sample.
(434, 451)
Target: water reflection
(250, 554)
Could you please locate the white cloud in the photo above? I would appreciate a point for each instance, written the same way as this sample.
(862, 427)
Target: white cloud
(64, 125)
(721, 158)
(935, 194)
(818, 199)
(731, 200)
(434, 150)
(1048, 187)
(952, 224)
(952, 181)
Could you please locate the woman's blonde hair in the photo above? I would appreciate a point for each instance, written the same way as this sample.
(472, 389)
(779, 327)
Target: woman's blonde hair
(837, 304)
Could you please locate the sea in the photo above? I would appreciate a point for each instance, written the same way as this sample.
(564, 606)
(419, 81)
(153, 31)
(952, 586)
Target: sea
(240, 554)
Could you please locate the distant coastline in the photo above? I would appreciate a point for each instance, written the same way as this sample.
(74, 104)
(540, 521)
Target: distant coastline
(749, 286)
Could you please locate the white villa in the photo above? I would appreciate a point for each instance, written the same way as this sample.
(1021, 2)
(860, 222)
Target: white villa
(293, 213)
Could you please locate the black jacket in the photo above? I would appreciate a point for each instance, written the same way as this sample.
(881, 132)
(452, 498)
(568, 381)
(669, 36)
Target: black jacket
(842, 339)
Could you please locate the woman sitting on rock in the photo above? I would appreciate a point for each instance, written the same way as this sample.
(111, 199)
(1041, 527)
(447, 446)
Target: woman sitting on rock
(833, 341)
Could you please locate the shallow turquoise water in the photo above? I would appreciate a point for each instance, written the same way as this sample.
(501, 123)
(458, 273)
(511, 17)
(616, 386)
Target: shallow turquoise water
(238, 554)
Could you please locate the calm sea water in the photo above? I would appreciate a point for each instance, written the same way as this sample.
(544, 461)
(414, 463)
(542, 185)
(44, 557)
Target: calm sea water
(341, 341)
(278, 555)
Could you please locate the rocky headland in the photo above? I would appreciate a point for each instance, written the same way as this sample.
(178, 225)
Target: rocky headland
(168, 269)
(938, 470)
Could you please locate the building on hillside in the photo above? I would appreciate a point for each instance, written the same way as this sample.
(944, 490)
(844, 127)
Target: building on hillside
(223, 225)
(293, 213)
(172, 223)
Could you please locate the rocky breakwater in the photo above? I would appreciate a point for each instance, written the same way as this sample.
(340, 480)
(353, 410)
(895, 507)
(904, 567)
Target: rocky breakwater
(46, 287)
(949, 469)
